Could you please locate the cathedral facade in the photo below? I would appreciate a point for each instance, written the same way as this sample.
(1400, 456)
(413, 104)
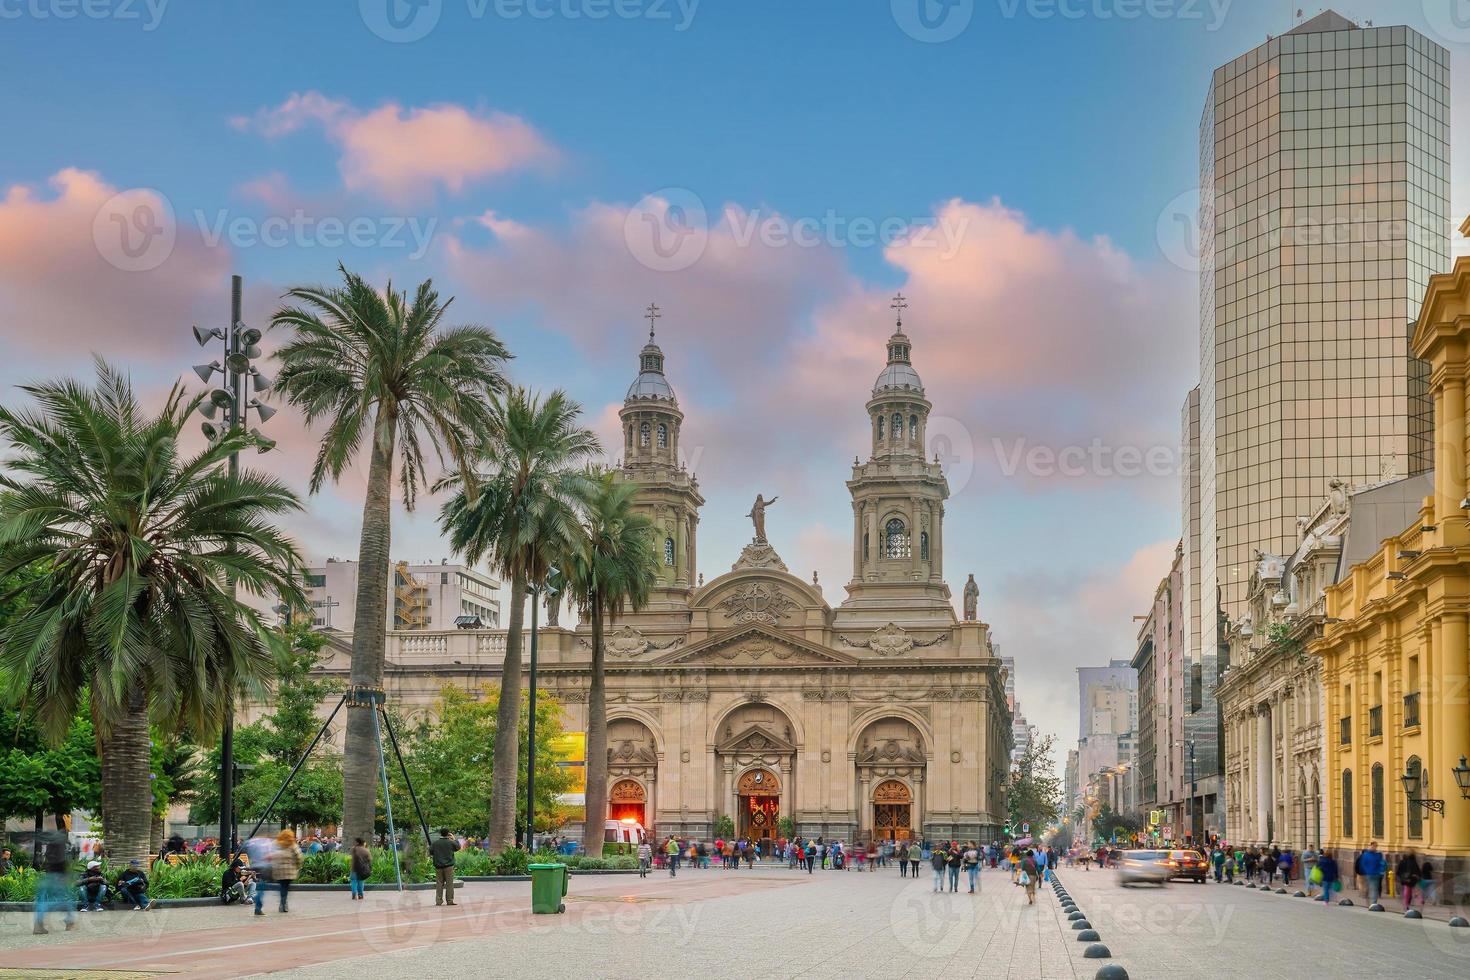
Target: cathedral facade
(748, 695)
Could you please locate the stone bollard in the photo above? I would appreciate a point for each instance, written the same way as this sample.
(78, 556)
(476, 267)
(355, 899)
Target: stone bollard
(1412, 914)
(1111, 972)
(1458, 922)
(1088, 936)
(1097, 951)
(1079, 924)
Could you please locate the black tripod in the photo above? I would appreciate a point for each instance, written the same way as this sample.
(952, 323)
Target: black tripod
(359, 697)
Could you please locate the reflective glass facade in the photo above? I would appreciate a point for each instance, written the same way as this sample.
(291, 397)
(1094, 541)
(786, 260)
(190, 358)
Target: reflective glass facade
(1324, 169)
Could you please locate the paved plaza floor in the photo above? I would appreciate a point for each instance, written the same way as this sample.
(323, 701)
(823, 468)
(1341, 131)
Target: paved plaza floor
(764, 922)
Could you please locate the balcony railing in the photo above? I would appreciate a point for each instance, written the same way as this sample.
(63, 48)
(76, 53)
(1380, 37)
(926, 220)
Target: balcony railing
(1345, 730)
(1411, 710)
(1375, 721)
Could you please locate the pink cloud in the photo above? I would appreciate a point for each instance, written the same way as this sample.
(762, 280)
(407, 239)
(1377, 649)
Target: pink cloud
(402, 152)
(87, 266)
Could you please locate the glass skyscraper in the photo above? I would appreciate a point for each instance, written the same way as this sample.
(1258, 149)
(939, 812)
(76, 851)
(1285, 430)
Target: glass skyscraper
(1324, 176)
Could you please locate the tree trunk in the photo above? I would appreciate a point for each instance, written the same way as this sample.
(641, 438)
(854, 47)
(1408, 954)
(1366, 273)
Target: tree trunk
(369, 626)
(127, 799)
(506, 769)
(155, 834)
(592, 836)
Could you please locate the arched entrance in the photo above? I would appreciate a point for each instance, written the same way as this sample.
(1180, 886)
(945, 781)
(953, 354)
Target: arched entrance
(893, 811)
(627, 800)
(759, 793)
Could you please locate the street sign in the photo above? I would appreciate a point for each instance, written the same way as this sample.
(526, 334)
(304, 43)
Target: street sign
(1168, 830)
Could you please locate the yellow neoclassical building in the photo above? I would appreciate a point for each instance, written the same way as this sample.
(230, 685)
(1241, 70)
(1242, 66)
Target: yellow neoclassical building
(1394, 648)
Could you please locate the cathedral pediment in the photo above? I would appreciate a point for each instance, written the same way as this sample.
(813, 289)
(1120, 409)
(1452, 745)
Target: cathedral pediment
(756, 643)
(755, 739)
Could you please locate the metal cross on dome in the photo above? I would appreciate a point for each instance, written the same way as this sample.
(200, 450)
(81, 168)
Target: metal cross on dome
(652, 315)
(898, 305)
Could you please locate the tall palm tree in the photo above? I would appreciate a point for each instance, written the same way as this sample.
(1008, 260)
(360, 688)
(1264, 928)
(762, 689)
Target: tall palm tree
(522, 518)
(135, 542)
(382, 365)
(613, 571)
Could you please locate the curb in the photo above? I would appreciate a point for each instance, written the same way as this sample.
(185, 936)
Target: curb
(160, 903)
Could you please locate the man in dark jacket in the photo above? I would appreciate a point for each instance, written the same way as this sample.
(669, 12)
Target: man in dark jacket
(1327, 869)
(92, 888)
(442, 853)
(132, 885)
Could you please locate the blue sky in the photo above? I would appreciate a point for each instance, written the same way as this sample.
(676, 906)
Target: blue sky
(1046, 151)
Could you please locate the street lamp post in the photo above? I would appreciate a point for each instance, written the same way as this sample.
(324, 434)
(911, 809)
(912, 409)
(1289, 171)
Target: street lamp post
(531, 732)
(239, 375)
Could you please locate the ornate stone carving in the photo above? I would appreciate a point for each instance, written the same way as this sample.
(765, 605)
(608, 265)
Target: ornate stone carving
(572, 697)
(759, 554)
(758, 602)
(892, 641)
(627, 642)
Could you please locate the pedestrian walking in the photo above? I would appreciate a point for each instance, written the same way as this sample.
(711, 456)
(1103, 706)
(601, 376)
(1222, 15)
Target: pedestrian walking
(954, 859)
(285, 865)
(1407, 873)
(937, 859)
(53, 892)
(1309, 864)
(915, 856)
(1327, 876)
(903, 859)
(671, 855)
(1371, 868)
(1029, 873)
(972, 866)
(359, 867)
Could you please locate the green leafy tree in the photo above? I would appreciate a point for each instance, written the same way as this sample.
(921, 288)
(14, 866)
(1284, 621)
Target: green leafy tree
(380, 369)
(519, 512)
(614, 570)
(1034, 794)
(135, 540)
(451, 760)
(266, 750)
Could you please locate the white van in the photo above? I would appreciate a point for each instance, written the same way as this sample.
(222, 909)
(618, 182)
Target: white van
(625, 831)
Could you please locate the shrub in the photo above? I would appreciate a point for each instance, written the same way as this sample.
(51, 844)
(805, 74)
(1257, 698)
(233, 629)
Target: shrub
(473, 861)
(511, 861)
(19, 885)
(325, 868)
(193, 877)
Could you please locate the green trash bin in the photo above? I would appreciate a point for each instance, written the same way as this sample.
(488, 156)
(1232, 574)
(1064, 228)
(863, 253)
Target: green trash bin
(548, 886)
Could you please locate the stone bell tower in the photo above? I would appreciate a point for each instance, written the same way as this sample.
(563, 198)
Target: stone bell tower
(898, 503)
(668, 492)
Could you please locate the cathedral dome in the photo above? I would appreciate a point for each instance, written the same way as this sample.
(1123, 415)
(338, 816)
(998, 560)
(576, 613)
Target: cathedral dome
(898, 374)
(651, 382)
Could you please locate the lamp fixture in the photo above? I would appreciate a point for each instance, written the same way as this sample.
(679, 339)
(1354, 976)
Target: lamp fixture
(206, 371)
(1462, 778)
(263, 443)
(202, 336)
(1412, 781)
(262, 410)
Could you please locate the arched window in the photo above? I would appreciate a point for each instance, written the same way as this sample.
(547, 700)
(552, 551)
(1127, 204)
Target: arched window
(668, 551)
(643, 432)
(1377, 789)
(880, 428)
(897, 426)
(663, 436)
(865, 546)
(895, 539)
(628, 436)
(924, 545)
(914, 428)
(1416, 812)
(1347, 802)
